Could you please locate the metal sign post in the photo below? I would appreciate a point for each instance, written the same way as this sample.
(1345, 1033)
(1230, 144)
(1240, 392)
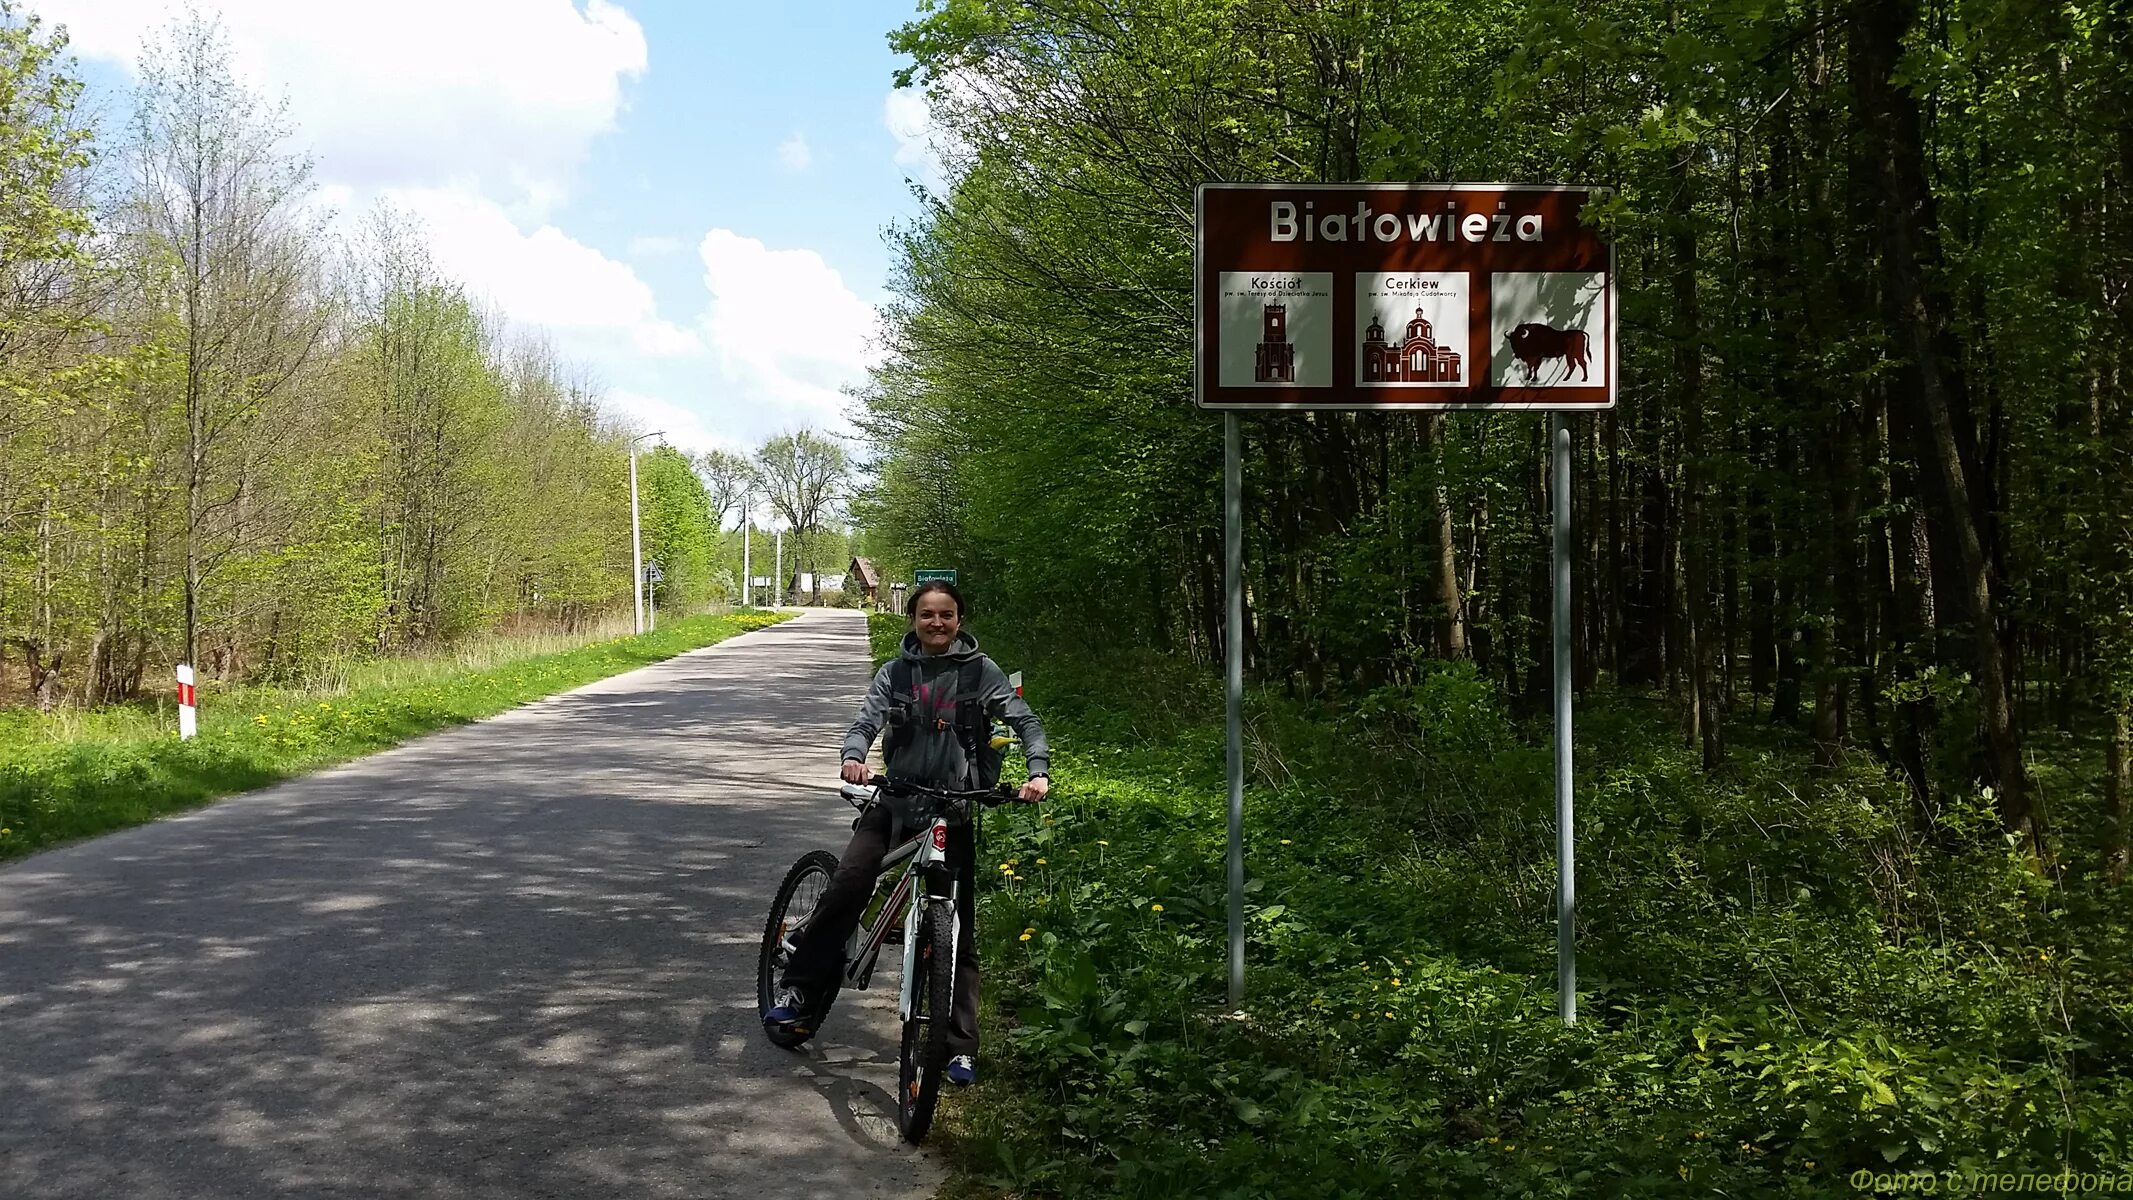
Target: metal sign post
(1566, 949)
(1233, 654)
(1413, 297)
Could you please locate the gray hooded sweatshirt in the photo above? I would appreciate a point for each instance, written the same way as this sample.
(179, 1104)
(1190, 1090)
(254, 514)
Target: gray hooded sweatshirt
(934, 756)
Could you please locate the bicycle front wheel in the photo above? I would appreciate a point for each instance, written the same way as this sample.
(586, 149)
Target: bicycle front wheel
(924, 1057)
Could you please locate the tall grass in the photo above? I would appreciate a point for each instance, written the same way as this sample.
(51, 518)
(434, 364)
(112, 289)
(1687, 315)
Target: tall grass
(1790, 980)
(75, 774)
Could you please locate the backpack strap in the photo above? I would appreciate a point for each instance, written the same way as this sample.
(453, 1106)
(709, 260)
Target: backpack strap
(972, 726)
(901, 717)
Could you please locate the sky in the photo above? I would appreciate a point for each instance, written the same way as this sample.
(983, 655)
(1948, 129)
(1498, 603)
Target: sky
(687, 197)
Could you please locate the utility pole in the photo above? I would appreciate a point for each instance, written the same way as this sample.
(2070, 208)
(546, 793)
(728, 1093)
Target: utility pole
(636, 537)
(747, 579)
(777, 585)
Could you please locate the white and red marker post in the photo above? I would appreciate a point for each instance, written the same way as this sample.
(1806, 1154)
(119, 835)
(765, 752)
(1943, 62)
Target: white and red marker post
(188, 711)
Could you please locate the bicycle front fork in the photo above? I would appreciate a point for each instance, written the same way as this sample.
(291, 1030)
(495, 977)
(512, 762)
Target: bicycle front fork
(940, 889)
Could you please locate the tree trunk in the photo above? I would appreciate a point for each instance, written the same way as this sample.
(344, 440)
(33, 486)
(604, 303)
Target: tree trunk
(2118, 791)
(1911, 265)
(1454, 641)
(1705, 730)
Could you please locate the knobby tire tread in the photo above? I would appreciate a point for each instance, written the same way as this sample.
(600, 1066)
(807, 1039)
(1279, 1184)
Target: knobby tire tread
(766, 972)
(925, 1057)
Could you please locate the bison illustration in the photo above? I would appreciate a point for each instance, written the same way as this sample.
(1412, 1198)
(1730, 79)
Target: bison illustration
(1536, 344)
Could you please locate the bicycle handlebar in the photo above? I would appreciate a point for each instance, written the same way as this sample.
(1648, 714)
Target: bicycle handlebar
(989, 797)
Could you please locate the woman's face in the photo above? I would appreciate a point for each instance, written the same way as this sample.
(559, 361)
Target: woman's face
(936, 622)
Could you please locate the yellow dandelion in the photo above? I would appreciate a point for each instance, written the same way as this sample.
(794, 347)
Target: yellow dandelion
(1040, 862)
(1388, 1016)
(1025, 937)
(1101, 842)
(1155, 908)
(1284, 841)
(1014, 877)
(1395, 983)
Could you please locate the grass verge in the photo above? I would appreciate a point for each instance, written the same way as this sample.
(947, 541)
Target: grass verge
(1791, 981)
(78, 775)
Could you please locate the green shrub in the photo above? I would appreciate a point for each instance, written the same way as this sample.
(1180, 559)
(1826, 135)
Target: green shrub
(1783, 980)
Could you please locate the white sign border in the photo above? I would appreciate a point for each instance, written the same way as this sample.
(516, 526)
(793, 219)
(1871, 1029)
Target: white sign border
(1199, 251)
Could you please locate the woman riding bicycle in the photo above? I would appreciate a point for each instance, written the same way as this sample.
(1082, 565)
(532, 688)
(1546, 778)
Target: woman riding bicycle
(937, 698)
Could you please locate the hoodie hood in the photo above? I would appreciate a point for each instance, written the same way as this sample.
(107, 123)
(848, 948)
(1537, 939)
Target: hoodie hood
(960, 650)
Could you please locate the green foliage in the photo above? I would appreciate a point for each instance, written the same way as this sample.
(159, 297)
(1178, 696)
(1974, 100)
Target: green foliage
(1776, 992)
(60, 780)
(678, 531)
(211, 449)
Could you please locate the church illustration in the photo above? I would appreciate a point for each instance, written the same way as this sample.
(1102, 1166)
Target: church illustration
(1416, 359)
(1276, 358)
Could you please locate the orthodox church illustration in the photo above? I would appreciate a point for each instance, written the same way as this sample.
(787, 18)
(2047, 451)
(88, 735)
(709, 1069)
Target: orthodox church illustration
(1416, 359)
(1276, 358)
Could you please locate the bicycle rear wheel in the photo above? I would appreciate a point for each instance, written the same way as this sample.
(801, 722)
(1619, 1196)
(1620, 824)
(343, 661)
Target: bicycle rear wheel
(924, 1056)
(795, 904)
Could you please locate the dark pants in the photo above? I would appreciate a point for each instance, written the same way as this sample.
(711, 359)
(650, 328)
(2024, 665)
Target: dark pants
(818, 960)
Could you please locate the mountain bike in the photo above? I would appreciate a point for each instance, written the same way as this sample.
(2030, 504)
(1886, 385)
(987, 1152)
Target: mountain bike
(919, 912)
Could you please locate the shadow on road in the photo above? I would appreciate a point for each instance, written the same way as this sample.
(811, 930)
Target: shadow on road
(512, 959)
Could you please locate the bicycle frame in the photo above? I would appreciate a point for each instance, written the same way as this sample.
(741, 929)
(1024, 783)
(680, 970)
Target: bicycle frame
(924, 855)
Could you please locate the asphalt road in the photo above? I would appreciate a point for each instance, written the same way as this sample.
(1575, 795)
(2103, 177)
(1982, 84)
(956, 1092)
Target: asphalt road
(516, 959)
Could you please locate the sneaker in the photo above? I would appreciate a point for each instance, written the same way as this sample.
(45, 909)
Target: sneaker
(963, 1070)
(790, 1008)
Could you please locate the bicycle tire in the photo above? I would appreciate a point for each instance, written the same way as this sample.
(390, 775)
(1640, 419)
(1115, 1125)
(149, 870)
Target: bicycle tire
(922, 1058)
(770, 962)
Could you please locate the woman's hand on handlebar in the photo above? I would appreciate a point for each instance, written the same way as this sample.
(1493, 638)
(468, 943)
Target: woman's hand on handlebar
(856, 772)
(1034, 789)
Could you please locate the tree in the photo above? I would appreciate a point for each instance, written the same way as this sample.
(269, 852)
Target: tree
(47, 464)
(1875, 278)
(728, 480)
(214, 202)
(680, 533)
(804, 475)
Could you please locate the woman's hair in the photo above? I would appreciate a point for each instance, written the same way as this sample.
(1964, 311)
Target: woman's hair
(962, 610)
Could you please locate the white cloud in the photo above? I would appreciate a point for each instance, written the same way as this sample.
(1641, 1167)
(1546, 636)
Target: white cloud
(679, 426)
(786, 330)
(499, 96)
(475, 116)
(910, 120)
(545, 277)
(923, 139)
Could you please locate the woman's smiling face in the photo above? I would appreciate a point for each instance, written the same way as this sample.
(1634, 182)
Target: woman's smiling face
(937, 621)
